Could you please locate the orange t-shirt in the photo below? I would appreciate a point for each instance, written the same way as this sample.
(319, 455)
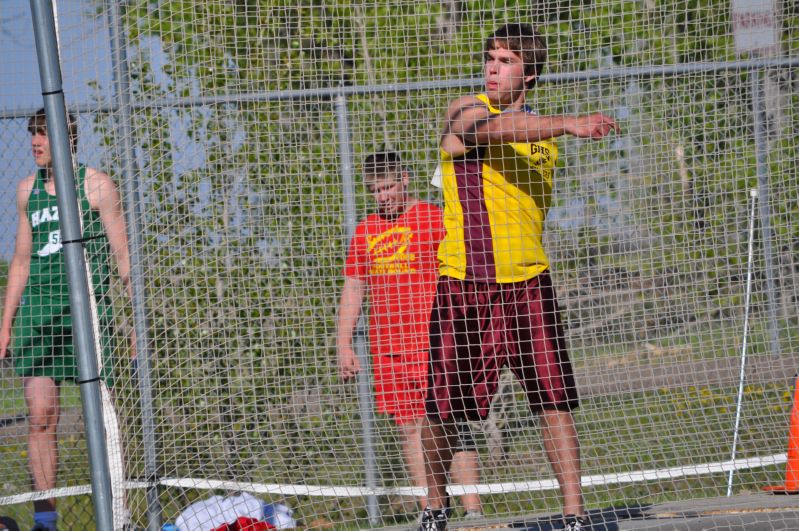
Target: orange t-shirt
(397, 258)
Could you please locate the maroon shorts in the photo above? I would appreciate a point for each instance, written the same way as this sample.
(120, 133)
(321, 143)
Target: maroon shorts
(477, 328)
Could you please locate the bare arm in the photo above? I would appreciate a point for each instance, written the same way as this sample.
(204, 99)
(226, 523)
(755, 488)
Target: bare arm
(19, 268)
(469, 123)
(349, 310)
(104, 198)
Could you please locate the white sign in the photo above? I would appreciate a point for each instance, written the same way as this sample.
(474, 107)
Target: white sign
(754, 26)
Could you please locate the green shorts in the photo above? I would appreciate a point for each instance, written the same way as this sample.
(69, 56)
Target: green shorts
(42, 338)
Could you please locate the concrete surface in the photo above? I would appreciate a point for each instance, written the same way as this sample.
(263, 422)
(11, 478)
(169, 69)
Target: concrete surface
(749, 512)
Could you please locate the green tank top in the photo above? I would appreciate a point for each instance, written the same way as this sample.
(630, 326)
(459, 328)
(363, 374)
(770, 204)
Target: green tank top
(47, 268)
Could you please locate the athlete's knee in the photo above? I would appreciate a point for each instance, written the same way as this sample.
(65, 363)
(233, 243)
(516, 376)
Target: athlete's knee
(42, 399)
(42, 417)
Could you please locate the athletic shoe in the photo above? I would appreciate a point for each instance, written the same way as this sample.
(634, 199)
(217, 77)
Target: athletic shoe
(473, 515)
(576, 523)
(433, 520)
(6, 522)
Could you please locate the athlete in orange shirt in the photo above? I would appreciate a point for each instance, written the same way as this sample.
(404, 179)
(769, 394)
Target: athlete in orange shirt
(392, 256)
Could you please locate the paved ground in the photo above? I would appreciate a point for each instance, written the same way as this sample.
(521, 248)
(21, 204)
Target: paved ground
(752, 512)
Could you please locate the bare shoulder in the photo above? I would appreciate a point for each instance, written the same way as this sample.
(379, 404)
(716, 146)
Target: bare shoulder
(98, 180)
(458, 105)
(24, 187)
(99, 187)
(26, 184)
(463, 112)
(459, 123)
(96, 176)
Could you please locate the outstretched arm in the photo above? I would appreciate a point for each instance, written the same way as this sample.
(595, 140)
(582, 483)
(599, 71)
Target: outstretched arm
(19, 268)
(469, 123)
(349, 310)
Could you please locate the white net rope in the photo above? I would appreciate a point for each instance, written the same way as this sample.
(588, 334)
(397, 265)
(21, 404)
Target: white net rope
(238, 148)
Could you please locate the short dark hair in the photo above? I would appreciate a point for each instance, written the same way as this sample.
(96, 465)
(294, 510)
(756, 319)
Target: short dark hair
(38, 124)
(524, 40)
(383, 164)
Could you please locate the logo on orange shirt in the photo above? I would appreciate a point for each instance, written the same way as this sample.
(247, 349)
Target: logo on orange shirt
(389, 251)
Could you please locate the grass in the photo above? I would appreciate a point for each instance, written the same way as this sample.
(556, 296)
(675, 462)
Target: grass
(656, 429)
(621, 433)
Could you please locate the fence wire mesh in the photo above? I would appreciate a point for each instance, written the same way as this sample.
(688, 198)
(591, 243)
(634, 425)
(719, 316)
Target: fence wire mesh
(236, 133)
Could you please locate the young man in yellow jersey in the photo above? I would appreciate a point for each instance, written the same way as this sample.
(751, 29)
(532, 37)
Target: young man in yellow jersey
(495, 305)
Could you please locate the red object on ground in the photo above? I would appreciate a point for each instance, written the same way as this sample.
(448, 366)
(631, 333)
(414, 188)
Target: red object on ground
(791, 485)
(244, 523)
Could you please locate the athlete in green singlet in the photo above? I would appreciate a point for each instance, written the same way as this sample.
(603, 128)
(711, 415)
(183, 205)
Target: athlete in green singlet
(36, 311)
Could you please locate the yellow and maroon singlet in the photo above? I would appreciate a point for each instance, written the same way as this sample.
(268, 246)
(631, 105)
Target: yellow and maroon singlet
(495, 201)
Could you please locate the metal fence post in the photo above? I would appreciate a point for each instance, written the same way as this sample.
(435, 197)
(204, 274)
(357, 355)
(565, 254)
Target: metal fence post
(365, 399)
(133, 198)
(75, 262)
(761, 156)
